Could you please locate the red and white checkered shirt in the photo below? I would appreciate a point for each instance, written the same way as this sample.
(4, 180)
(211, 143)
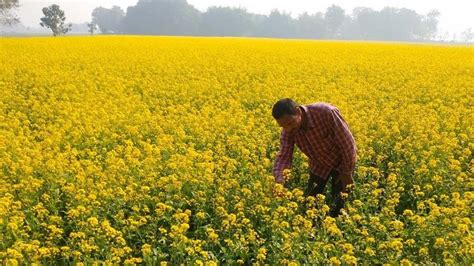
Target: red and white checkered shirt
(326, 140)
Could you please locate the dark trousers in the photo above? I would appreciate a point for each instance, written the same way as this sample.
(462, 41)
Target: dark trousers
(317, 184)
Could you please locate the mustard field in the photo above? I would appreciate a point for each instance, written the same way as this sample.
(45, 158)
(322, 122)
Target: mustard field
(159, 150)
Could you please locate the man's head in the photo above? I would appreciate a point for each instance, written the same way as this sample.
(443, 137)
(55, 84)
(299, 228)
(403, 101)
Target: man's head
(287, 114)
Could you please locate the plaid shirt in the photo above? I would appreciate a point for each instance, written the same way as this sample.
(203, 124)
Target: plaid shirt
(326, 141)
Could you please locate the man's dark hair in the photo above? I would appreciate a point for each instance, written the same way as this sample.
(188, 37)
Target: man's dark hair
(284, 107)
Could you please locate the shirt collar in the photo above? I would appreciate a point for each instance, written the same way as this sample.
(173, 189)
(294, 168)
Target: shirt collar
(306, 113)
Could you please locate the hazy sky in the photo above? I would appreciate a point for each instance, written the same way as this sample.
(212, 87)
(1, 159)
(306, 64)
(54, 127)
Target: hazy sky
(456, 15)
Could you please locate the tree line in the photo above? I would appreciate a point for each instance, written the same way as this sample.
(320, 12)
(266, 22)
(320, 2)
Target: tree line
(177, 17)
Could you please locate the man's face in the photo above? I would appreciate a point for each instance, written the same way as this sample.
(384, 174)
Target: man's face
(290, 122)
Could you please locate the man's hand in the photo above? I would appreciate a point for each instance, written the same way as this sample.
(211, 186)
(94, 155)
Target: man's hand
(280, 180)
(346, 180)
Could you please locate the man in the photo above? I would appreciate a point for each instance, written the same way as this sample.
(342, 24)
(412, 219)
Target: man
(321, 133)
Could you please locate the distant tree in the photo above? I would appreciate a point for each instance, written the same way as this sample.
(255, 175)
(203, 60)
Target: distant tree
(467, 35)
(54, 19)
(92, 27)
(279, 24)
(365, 20)
(158, 17)
(258, 21)
(349, 29)
(430, 24)
(443, 36)
(399, 24)
(392, 24)
(7, 16)
(311, 26)
(227, 21)
(108, 20)
(334, 18)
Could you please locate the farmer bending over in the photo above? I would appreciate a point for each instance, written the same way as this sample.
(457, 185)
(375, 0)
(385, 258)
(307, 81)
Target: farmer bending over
(321, 133)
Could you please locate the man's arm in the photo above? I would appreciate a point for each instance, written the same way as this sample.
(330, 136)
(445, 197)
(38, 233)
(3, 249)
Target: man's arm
(284, 158)
(346, 144)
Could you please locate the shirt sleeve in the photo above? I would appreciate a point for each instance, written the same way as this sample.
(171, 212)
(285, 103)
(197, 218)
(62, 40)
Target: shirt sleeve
(284, 156)
(344, 141)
